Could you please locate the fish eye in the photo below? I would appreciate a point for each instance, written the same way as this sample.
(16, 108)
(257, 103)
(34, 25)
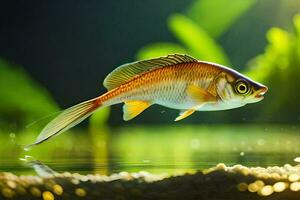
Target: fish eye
(241, 87)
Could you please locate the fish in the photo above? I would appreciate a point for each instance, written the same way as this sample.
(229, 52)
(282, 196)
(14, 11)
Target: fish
(175, 81)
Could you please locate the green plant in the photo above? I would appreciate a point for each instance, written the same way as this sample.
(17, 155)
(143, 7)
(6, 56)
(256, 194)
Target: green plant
(279, 68)
(22, 100)
(199, 29)
(217, 16)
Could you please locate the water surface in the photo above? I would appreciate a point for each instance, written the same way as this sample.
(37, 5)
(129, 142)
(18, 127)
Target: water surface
(157, 149)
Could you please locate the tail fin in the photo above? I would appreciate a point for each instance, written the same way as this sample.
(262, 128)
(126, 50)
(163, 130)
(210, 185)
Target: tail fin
(66, 120)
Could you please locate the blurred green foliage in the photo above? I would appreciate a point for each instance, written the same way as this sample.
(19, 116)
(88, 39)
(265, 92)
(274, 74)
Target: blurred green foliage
(159, 49)
(198, 29)
(99, 118)
(216, 16)
(198, 41)
(279, 68)
(22, 99)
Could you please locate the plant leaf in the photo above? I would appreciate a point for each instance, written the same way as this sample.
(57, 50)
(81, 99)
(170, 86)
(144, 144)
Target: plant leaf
(21, 98)
(159, 49)
(196, 40)
(216, 16)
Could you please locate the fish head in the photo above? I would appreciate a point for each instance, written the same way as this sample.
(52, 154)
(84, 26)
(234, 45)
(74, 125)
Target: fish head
(237, 90)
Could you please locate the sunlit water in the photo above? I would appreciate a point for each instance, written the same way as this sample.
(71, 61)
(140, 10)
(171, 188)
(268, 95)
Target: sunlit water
(155, 149)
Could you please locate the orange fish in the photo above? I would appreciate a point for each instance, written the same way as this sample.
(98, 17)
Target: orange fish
(175, 81)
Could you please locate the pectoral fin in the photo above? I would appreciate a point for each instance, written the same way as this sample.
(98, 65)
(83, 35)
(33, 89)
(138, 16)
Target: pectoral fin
(183, 114)
(200, 95)
(131, 109)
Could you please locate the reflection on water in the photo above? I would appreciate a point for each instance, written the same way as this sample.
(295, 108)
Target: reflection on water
(157, 149)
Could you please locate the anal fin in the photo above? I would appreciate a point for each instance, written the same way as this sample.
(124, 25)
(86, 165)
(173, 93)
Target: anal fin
(131, 109)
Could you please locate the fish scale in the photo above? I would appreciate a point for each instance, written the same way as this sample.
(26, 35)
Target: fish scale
(165, 86)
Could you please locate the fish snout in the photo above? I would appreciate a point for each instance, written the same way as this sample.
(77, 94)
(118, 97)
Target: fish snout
(260, 92)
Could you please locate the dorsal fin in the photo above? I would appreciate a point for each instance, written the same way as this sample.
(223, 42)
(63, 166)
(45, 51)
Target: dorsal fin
(127, 71)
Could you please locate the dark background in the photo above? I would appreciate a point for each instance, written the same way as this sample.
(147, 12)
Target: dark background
(70, 46)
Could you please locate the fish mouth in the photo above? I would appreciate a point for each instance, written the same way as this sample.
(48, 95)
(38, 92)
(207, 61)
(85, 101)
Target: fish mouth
(260, 93)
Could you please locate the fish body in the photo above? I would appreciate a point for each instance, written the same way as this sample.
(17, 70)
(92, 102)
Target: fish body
(175, 81)
(165, 86)
(169, 87)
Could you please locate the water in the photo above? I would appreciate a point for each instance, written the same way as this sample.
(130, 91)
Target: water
(157, 149)
(122, 163)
